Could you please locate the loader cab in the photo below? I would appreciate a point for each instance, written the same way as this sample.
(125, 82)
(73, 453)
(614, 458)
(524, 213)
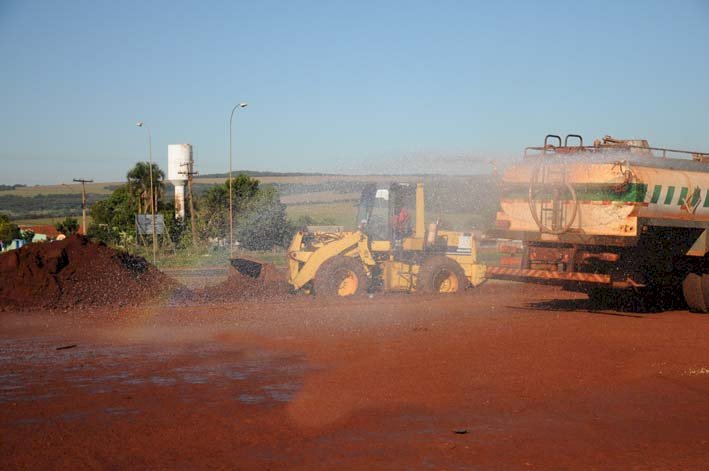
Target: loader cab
(387, 213)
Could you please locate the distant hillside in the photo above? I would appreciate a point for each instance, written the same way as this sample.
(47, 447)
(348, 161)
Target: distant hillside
(254, 173)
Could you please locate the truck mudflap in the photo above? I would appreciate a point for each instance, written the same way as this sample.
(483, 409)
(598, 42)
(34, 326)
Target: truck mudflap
(523, 274)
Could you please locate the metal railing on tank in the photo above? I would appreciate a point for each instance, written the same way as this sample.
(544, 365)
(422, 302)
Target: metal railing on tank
(607, 145)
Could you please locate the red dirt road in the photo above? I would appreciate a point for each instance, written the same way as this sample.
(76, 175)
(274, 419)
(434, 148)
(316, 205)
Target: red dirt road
(533, 378)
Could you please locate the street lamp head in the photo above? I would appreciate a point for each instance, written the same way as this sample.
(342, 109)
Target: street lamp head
(243, 105)
(139, 124)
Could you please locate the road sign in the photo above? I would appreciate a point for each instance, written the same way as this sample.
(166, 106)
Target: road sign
(144, 224)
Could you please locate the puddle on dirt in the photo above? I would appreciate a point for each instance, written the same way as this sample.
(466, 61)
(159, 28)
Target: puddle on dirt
(36, 366)
(162, 381)
(134, 381)
(70, 416)
(251, 398)
(29, 421)
(193, 378)
(237, 375)
(119, 411)
(28, 398)
(282, 392)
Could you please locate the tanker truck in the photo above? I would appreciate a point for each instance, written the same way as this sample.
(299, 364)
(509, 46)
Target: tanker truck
(615, 215)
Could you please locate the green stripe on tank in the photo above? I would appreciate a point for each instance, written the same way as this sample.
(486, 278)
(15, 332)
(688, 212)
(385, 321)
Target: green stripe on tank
(706, 201)
(670, 194)
(656, 194)
(632, 192)
(696, 196)
(682, 195)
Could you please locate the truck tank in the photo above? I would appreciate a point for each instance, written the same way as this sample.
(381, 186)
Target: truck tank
(618, 214)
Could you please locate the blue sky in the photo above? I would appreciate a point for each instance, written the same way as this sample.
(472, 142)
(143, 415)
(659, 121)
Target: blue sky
(340, 86)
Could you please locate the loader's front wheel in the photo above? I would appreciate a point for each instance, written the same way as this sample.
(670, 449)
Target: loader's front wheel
(441, 275)
(341, 276)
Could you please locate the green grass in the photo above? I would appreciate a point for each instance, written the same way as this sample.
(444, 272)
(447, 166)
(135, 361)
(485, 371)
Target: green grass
(278, 257)
(460, 221)
(344, 214)
(187, 258)
(38, 221)
(341, 213)
(211, 258)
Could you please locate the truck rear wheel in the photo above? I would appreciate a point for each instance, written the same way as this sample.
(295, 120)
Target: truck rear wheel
(441, 274)
(695, 289)
(602, 297)
(341, 276)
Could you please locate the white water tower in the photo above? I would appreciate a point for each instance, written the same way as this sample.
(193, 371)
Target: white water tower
(179, 164)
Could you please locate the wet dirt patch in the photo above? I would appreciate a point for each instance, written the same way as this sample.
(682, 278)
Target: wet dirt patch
(39, 373)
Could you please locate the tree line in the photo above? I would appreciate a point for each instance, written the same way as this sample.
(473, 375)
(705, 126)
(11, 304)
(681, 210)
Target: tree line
(12, 187)
(260, 217)
(38, 206)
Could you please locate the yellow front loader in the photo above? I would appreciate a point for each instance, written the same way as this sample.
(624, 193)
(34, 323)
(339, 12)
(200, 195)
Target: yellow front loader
(389, 251)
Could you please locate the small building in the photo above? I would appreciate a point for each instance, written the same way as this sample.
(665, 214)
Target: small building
(47, 230)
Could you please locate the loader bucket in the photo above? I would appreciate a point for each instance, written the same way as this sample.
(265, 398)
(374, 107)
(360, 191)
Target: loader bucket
(247, 266)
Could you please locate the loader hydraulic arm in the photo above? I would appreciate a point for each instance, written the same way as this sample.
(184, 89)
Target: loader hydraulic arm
(303, 272)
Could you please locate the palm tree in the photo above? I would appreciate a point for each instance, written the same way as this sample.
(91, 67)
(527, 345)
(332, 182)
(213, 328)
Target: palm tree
(139, 184)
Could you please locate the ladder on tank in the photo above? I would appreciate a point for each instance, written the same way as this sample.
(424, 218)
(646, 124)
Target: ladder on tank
(552, 186)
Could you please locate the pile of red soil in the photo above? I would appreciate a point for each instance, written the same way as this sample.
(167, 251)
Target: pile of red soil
(76, 272)
(270, 284)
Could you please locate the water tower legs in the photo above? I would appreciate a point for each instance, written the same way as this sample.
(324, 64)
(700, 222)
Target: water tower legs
(180, 201)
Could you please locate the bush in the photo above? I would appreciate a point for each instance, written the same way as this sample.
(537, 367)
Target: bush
(214, 205)
(179, 231)
(27, 235)
(103, 233)
(8, 230)
(68, 226)
(264, 225)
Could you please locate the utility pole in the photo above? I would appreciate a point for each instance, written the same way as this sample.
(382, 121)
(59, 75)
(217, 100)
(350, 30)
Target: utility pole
(190, 173)
(153, 199)
(83, 199)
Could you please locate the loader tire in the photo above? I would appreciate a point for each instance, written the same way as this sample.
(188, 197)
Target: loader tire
(441, 274)
(695, 289)
(341, 276)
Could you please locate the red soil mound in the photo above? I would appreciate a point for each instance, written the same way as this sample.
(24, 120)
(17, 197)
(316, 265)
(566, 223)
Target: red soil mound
(270, 284)
(76, 272)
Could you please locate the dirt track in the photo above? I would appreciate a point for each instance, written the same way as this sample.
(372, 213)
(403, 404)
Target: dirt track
(533, 379)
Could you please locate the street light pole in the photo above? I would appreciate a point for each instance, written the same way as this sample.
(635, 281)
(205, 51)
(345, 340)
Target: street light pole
(141, 124)
(231, 207)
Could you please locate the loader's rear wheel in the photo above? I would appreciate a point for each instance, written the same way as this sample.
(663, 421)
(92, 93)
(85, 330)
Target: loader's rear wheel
(695, 289)
(441, 275)
(341, 276)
